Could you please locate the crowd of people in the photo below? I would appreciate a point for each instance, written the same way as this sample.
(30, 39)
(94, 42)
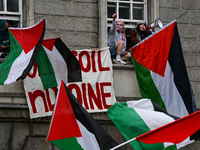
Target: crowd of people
(119, 49)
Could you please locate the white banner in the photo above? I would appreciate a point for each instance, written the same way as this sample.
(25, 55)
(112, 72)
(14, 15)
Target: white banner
(95, 92)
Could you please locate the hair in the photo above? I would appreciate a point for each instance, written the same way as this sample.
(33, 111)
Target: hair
(138, 29)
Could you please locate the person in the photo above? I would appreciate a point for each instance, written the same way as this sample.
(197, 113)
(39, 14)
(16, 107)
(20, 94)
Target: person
(138, 34)
(117, 42)
(4, 38)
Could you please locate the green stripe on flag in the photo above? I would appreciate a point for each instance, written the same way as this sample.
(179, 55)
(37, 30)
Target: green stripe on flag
(147, 87)
(46, 70)
(67, 144)
(172, 147)
(15, 51)
(131, 125)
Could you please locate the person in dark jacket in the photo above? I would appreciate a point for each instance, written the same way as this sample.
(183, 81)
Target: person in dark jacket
(138, 34)
(4, 38)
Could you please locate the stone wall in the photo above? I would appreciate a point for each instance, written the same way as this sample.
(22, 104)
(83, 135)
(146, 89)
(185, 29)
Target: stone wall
(18, 132)
(189, 31)
(75, 21)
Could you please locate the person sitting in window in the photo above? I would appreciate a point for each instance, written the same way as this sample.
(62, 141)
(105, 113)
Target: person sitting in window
(138, 34)
(117, 41)
(4, 38)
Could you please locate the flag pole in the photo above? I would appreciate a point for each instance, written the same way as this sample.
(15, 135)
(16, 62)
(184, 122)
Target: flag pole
(182, 15)
(123, 143)
(48, 130)
(44, 144)
(51, 118)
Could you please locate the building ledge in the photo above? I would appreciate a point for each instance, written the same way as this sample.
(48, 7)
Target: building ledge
(123, 67)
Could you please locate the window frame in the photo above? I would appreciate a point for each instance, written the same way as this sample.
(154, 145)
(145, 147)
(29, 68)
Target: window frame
(152, 14)
(12, 16)
(131, 20)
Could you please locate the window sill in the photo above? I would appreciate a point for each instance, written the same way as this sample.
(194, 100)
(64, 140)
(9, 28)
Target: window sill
(123, 67)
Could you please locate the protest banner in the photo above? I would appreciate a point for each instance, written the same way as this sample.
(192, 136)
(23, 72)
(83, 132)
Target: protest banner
(95, 92)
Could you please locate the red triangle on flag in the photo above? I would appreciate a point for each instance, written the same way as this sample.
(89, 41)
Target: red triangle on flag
(63, 123)
(151, 53)
(28, 37)
(49, 43)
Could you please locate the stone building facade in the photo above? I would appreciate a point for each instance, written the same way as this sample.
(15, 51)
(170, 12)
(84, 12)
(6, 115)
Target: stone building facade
(82, 24)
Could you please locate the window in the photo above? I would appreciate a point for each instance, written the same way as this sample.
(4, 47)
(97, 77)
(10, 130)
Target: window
(11, 10)
(149, 9)
(130, 11)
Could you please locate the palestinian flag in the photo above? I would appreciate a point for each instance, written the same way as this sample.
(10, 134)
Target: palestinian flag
(135, 118)
(161, 71)
(24, 48)
(73, 128)
(55, 62)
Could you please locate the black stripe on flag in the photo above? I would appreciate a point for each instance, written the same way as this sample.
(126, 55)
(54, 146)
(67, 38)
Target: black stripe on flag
(73, 66)
(178, 67)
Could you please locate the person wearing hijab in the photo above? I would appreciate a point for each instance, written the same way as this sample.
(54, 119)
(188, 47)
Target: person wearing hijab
(117, 41)
(4, 38)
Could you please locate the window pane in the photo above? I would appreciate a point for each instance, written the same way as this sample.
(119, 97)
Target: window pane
(138, 11)
(14, 23)
(124, 10)
(13, 5)
(1, 6)
(111, 9)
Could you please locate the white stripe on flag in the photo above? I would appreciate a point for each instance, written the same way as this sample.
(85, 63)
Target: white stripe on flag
(142, 104)
(173, 101)
(150, 117)
(58, 64)
(88, 140)
(19, 66)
